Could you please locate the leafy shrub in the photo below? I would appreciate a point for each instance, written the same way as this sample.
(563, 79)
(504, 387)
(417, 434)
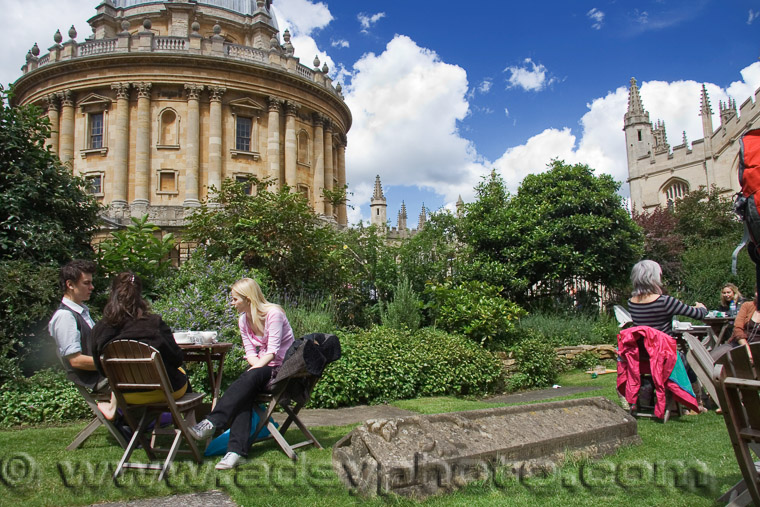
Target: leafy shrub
(47, 396)
(28, 297)
(475, 309)
(567, 329)
(404, 311)
(536, 361)
(385, 364)
(137, 248)
(309, 313)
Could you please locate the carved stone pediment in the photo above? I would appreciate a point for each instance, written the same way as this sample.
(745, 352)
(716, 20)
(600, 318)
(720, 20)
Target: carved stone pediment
(247, 106)
(94, 102)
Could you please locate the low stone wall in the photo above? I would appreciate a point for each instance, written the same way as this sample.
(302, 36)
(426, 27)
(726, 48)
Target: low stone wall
(564, 354)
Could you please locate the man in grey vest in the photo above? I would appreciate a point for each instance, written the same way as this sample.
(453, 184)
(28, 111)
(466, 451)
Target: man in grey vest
(70, 327)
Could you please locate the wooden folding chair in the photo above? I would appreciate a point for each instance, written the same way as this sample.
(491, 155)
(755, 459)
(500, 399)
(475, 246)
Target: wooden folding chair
(99, 420)
(738, 385)
(301, 382)
(702, 364)
(131, 365)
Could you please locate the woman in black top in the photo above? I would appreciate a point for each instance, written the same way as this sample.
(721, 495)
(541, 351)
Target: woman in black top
(127, 316)
(648, 305)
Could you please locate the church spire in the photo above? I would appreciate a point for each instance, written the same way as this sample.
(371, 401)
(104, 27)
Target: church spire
(378, 189)
(636, 113)
(423, 218)
(378, 206)
(705, 111)
(402, 217)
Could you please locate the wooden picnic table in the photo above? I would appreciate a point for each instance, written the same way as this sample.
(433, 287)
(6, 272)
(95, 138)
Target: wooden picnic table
(213, 355)
(721, 326)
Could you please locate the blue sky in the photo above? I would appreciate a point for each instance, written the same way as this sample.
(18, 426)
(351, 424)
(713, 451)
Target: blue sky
(444, 91)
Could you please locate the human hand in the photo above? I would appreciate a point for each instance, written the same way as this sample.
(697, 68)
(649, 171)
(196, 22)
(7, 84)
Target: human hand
(699, 305)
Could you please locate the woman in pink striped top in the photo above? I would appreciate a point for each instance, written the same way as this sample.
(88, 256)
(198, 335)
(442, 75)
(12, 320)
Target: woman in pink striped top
(266, 335)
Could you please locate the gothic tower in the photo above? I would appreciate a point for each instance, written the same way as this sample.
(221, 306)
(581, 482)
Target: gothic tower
(378, 206)
(639, 140)
(402, 217)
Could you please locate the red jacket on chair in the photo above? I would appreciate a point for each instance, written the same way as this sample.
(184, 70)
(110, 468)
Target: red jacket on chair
(665, 366)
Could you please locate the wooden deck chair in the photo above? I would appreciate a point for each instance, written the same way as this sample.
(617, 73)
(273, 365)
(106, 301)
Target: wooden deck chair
(738, 385)
(301, 382)
(702, 364)
(131, 365)
(99, 420)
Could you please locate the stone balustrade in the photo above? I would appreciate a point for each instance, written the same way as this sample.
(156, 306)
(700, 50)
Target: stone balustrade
(72, 50)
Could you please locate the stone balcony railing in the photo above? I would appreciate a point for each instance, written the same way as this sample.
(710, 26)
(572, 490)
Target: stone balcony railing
(148, 42)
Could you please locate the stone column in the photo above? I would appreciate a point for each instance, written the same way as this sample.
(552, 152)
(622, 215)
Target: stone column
(215, 137)
(142, 149)
(121, 146)
(273, 141)
(66, 139)
(328, 140)
(319, 166)
(342, 212)
(291, 146)
(53, 113)
(193, 159)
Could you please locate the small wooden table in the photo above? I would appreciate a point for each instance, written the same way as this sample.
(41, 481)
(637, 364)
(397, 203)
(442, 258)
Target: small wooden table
(720, 326)
(209, 353)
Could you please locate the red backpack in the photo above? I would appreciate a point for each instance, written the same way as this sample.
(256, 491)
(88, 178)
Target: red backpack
(747, 203)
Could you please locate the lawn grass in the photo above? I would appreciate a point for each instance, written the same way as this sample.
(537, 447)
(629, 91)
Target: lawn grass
(688, 461)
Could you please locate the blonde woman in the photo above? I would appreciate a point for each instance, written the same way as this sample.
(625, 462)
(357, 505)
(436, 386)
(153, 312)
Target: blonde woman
(266, 335)
(729, 292)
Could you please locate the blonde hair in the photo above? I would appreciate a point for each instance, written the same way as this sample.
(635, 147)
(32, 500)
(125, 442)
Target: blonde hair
(259, 307)
(737, 294)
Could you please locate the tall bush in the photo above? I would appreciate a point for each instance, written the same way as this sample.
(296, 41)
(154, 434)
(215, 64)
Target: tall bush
(536, 362)
(404, 311)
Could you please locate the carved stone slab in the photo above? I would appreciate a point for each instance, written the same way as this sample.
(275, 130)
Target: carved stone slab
(426, 454)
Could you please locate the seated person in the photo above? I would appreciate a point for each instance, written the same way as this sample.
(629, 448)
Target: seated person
(71, 326)
(649, 307)
(746, 330)
(728, 293)
(127, 316)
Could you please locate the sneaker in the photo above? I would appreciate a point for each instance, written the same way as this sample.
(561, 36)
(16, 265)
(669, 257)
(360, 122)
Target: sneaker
(203, 429)
(230, 460)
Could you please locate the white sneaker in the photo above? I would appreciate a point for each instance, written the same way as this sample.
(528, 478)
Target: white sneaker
(230, 460)
(202, 430)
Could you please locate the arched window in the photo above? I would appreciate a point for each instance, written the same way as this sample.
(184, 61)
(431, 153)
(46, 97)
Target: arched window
(674, 190)
(168, 129)
(303, 147)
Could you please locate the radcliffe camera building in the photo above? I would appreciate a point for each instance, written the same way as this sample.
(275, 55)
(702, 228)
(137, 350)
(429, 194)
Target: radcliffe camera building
(168, 98)
(659, 175)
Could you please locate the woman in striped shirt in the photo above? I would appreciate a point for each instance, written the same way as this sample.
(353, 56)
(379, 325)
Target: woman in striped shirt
(649, 306)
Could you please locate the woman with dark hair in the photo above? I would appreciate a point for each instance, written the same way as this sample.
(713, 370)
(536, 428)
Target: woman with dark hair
(127, 316)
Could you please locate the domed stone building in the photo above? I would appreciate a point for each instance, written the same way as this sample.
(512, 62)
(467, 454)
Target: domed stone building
(168, 98)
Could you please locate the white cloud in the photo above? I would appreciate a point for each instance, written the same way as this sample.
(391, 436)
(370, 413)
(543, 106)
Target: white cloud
(340, 43)
(753, 15)
(529, 77)
(506, 112)
(597, 18)
(302, 17)
(641, 17)
(485, 86)
(368, 20)
(601, 144)
(406, 104)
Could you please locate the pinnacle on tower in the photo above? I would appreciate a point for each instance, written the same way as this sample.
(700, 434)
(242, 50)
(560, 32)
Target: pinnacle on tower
(423, 218)
(636, 113)
(378, 189)
(705, 108)
(402, 217)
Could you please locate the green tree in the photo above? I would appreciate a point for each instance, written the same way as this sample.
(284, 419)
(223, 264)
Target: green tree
(561, 224)
(275, 231)
(46, 214)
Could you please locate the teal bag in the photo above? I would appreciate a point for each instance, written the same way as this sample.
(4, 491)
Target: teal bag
(218, 446)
